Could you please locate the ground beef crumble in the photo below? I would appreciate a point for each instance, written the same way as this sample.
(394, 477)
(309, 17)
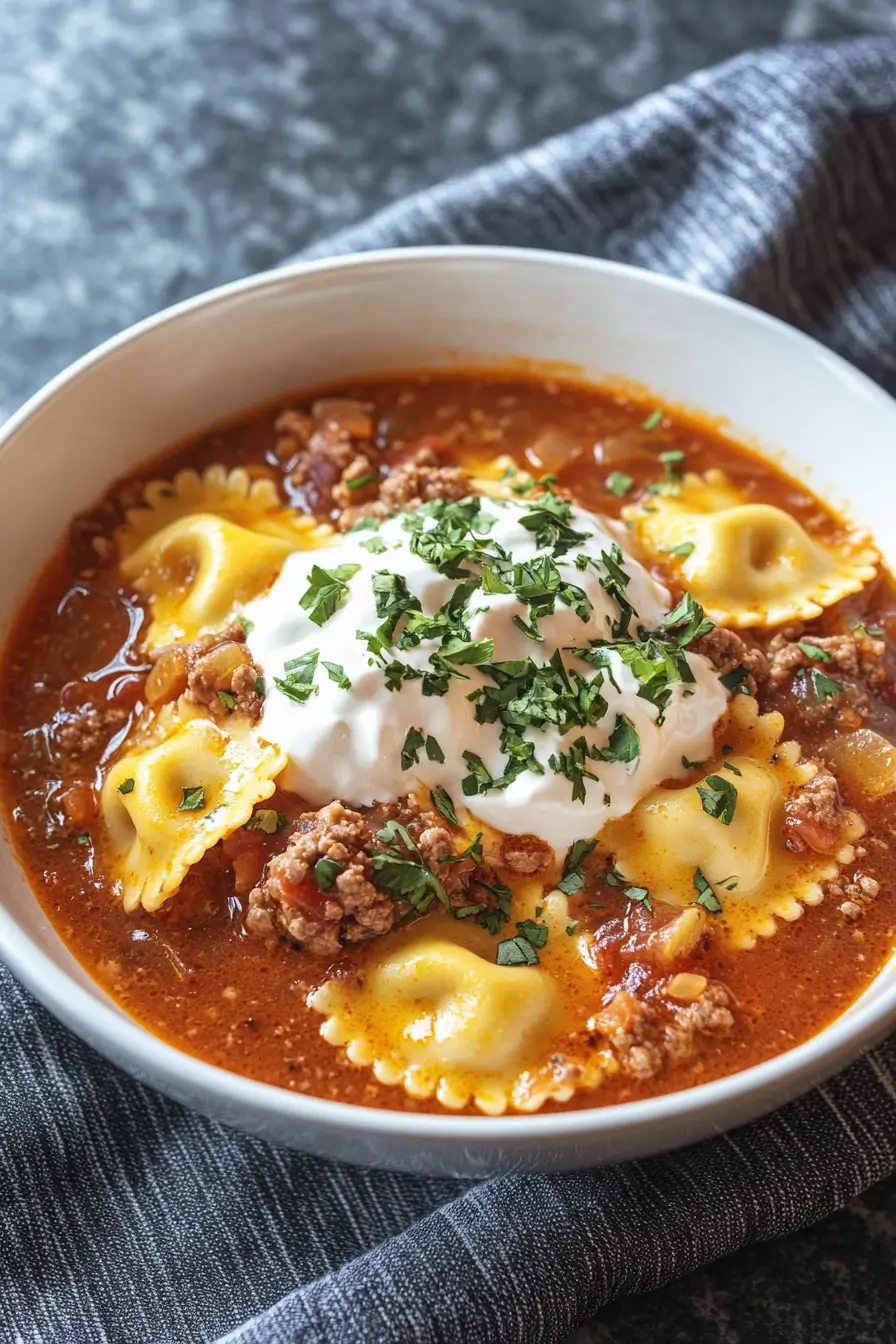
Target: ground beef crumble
(415, 481)
(855, 896)
(331, 454)
(84, 731)
(421, 478)
(525, 855)
(727, 650)
(813, 816)
(857, 655)
(288, 903)
(216, 671)
(645, 1036)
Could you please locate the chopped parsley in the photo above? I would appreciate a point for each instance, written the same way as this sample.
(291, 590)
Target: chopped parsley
(193, 799)
(686, 621)
(399, 869)
(325, 873)
(705, 894)
(442, 802)
(413, 742)
(640, 896)
(326, 589)
(813, 651)
(228, 699)
(521, 696)
(375, 545)
(718, 798)
(536, 934)
(734, 680)
(619, 484)
(691, 765)
(824, 687)
(683, 549)
(259, 686)
(572, 764)
(297, 683)
(83, 838)
(492, 583)
(479, 780)
(529, 629)
(126, 786)
(492, 919)
(359, 482)
(653, 420)
(516, 951)
(474, 851)
(521, 950)
(624, 743)
(336, 672)
(872, 631)
(266, 819)
(244, 621)
(670, 460)
(573, 878)
(549, 521)
(392, 597)
(468, 652)
(726, 765)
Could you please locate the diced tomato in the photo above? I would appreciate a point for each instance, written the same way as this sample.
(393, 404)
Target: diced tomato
(306, 896)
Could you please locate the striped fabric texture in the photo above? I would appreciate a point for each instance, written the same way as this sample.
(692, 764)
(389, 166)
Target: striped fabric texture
(124, 1218)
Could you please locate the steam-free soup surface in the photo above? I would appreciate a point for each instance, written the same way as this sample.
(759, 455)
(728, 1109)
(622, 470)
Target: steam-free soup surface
(74, 681)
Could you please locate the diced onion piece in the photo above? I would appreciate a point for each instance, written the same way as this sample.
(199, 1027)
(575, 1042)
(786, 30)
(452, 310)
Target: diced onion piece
(167, 678)
(680, 936)
(627, 446)
(864, 761)
(552, 450)
(78, 805)
(686, 987)
(344, 414)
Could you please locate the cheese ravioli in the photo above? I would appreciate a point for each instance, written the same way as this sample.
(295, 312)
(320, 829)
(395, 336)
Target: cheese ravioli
(442, 1021)
(180, 788)
(249, 501)
(203, 546)
(740, 869)
(747, 564)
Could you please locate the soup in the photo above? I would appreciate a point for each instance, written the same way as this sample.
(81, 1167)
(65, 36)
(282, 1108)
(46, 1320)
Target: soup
(468, 743)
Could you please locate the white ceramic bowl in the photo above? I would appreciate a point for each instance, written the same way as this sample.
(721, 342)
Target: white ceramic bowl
(206, 359)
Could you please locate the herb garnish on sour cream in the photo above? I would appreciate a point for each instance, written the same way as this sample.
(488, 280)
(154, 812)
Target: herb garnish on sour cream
(509, 652)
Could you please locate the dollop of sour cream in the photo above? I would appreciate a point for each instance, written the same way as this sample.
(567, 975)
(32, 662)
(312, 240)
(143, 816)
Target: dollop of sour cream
(536, 620)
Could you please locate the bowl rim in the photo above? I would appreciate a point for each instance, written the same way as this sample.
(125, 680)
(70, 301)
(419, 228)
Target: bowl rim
(117, 1035)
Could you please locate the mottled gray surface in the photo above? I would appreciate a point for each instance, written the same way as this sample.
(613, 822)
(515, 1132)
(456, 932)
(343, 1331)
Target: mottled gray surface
(152, 148)
(831, 1285)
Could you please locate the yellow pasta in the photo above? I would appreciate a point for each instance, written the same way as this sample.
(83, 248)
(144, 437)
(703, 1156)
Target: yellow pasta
(747, 564)
(205, 545)
(183, 785)
(442, 1021)
(251, 502)
(435, 1014)
(669, 836)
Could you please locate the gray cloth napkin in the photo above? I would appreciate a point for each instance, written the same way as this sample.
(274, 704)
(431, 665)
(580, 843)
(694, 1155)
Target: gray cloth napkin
(124, 1218)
